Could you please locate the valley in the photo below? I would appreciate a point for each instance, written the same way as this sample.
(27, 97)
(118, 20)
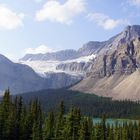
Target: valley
(28, 121)
(101, 68)
(105, 67)
(96, 87)
(89, 104)
(69, 70)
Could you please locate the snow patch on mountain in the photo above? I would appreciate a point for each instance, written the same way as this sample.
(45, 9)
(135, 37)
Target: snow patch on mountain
(43, 67)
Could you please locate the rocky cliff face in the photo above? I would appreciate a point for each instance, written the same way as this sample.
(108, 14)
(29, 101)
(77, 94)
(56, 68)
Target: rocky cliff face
(121, 55)
(61, 80)
(115, 63)
(105, 64)
(82, 67)
(92, 47)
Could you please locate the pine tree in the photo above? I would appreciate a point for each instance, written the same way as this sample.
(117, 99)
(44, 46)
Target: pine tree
(24, 133)
(36, 132)
(85, 130)
(60, 122)
(6, 106)
(36, 116)
(71, 131)
(48, 130)
(27, 122)
(99, 132)
(103, 123)
(110, 132)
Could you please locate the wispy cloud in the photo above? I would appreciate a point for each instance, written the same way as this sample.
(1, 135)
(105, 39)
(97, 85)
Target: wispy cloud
(41, 49)
(61, 13)
(134, 2)
(10, 19)
(105, 21)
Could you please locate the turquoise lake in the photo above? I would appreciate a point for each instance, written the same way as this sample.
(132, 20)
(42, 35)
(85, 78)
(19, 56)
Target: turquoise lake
(114, 121)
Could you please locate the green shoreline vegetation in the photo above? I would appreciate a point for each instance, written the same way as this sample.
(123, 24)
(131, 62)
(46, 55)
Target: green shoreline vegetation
(89, 104)
(28, 122)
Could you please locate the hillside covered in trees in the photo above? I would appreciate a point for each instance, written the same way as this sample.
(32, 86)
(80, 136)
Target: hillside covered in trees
(20, 122)
(89, 104)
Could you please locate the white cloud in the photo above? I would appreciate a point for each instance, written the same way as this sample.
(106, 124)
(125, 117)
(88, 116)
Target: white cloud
(41, 49)
(134, 2)
(62, 13)
(10, 19)
(105, 21)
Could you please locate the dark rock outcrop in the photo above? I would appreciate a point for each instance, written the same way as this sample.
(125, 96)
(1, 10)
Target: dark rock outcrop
(115, 71)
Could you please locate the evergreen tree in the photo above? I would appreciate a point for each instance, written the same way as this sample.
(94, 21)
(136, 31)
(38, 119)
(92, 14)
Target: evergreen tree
(85, 130)
(27, 122)
(6, 109)
(48, 130)
(103, 123)
(60, 122)
(36, 132)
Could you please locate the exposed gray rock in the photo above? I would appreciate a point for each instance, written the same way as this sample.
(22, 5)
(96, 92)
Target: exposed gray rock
(81, 68)
(121, 55)
(21, 78)
(87, 49)
(92, 47)
(116, 67)
(59, 80)
(116, 64)
(60, 56)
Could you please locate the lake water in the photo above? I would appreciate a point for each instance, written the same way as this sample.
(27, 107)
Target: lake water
(114, 121)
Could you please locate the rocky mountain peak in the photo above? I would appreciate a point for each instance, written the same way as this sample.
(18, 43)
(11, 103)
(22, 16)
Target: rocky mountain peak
(131, 32)
(91, 47)
(134, 29)
(116, 71)
(121, 54)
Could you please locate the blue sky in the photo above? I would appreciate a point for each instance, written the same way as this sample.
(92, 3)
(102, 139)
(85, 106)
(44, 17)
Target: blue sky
(39, 26)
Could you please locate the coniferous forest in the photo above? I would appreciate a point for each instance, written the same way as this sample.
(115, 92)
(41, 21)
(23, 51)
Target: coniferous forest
(89, 104)
(28, 122)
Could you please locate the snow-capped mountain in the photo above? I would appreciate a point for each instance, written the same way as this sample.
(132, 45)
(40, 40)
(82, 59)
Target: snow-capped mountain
(107, 67)
(73, 62)
(79, 61)
(46, 66)
(21, 78)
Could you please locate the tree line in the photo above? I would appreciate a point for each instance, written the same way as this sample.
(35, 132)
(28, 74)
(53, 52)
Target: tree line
(89, 104)
(28, 122)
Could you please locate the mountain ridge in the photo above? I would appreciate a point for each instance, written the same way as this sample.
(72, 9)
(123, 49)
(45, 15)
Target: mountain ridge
(96, 48)
(22, 78)
(104, 66)
(115, 64)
